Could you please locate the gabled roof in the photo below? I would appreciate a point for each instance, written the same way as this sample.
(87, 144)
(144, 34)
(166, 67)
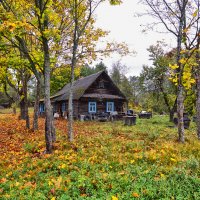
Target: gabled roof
(80, 86)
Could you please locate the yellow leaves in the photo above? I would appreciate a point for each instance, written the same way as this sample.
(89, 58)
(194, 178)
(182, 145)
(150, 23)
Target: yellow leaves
(185, 30)
(192, 80)
(63, 166)
(56, 151)
(162, 176)
(8, 174)
(58, 182)
(183, 61)
(19, 26)
(55, 182)
(175, 66)
(114, 198)
(132, 161)
(17, 183)
(115, 2)
(50, 183)
(61, 157)
(53, 198)
(186, 75)
(52, 33)
(185, 68)
(188, 80)
(10, 26)
(173, 159)
(195, 13)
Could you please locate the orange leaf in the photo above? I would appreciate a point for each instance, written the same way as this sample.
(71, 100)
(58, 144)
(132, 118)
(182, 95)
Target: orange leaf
(135, 194)
(3, 180)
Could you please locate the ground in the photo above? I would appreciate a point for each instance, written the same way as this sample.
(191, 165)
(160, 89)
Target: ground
(106, 161)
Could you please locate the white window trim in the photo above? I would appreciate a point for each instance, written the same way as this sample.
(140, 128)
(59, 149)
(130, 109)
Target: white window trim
(113, 106)
(89, 108)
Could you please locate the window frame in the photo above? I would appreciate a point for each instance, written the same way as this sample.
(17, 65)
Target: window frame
(107, 106)
(42, 108)
(63, 107)
(101, 84)
(90, 107)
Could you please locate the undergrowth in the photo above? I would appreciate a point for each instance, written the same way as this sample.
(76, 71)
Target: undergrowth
(106, 161)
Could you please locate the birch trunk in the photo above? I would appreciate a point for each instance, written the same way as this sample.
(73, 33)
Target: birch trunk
(48, 112)
(198, 106)
(180, 110)
(70, 102)
(180, 91)
(73, 64)
(197, 76)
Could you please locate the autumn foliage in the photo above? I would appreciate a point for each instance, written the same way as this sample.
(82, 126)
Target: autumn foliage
(106, 161)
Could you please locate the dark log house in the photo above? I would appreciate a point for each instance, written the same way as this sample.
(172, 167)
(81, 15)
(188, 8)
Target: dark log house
(92, 95)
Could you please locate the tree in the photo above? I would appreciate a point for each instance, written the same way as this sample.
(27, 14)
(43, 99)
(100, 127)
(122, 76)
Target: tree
(158, 76)
(86, 70)
(16, 75)
(196, 15)
(81, 14)
(36, 25)
(50, 34)
(118, 76)
(174, 15)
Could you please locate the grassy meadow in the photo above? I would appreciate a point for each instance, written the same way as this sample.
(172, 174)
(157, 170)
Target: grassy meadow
(107, 161)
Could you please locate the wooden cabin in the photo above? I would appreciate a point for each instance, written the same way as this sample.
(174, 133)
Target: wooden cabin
(92, 95)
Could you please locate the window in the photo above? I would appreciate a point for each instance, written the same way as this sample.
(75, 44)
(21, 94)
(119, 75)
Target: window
(63, 106)
(41, 107)
(92, 107)
(110, 107)
(101, 84)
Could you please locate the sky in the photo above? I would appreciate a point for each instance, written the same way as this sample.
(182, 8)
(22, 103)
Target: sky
(123, 26)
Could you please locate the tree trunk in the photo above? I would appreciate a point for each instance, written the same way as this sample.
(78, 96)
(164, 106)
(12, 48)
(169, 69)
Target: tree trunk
(70, 114)
(198, 106)
(48, 117)
(24, 100)
(197, 76)
(22, 108)
(14, 110)
(48, 109)
(70, 103)
(180, 90)
(26, 103)
(36, 106)
(180, 110)
(171, 113)
(73, 64)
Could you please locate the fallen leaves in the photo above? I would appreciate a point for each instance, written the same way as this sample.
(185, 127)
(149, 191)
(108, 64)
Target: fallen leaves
(3, 180)
(135, 194)
(97, 161)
